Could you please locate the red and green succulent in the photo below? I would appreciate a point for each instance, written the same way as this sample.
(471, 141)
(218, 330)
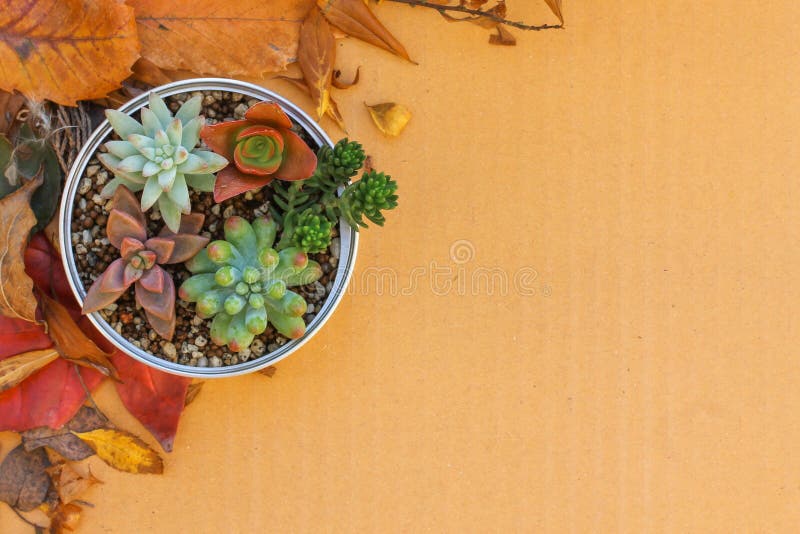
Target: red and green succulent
(140, 260)
(262, 147)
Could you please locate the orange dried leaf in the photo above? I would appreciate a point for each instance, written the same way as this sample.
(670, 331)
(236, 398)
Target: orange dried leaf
(71, 342)
(356, 19)
(66, 51)
(315, 54)
(148, 72)
(17, 368)
(390, 118)
(16, 220)
(242, 38)
(555, 7)
(123, 451)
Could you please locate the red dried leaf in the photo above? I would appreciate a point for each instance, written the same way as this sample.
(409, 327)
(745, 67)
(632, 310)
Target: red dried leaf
(155, 398)
(52, 396)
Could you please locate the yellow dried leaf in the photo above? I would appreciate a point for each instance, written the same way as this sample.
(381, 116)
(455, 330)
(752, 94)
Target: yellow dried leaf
(123, 451)
(389, 117)
(17, 368)
(67, 50)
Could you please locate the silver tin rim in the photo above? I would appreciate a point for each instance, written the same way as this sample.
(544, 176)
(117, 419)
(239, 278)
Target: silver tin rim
(348, 237)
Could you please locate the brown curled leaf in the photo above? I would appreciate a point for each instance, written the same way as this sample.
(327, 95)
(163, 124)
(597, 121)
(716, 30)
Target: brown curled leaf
(23, 480)
(192, 392)
(316, 54)
(16, 220)
(71, 342)
(333, 109)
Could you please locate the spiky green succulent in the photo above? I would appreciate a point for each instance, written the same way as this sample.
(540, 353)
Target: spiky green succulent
(295, 204)
(311, 232)
(159, 157)
(373, 193)
(339, 163)
(242, 283)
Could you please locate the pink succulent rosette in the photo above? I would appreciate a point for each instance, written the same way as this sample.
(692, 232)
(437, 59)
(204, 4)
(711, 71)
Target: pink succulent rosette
(140, 261)
(262, 148)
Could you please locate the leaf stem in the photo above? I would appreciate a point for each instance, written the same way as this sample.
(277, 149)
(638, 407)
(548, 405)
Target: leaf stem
(89, 396)
(443, 9)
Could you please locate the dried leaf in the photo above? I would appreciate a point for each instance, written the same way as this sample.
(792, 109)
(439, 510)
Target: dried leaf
(16, 220)
(502, 37)
(155, 398)
(354, 18)
(337, 83)
(62, 440)
(69, 483)
(192, 392)
(71, 342)
(17, 368)
(555, 7)
(68, 50)
(390, 118)
(52, 396)
(269, 371)
(243, 38)
(123, 451)
(333, 109)
(316, 54)
(23, 480)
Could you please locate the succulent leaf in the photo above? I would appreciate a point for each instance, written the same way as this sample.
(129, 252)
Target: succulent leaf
(241, 281)
(165, 151)
(140, 259)
(261, 147)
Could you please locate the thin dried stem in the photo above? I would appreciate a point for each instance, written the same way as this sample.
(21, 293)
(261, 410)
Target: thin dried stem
(477, 13)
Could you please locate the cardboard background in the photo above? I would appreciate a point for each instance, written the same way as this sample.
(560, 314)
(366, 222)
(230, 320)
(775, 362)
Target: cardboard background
(643, 163)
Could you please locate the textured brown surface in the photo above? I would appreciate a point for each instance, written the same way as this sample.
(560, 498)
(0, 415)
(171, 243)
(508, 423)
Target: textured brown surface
(644, 162)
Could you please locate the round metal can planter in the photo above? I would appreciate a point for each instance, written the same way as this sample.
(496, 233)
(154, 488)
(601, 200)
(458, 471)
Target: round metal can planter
(348, 237)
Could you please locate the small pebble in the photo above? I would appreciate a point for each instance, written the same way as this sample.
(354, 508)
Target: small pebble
(85, 186)
(86, 237)
(202, 362)
(102, 178)
(200, 341)
(228, 212)
(169, 350)
(91, 170)
(336, 244)
(216, 361)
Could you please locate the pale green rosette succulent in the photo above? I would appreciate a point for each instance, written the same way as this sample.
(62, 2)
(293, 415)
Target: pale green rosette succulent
(159, 157)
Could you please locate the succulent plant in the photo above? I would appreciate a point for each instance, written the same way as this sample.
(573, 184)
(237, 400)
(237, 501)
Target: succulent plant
(159, 158)
(140, 261)
(373, 193)
(262, 147)
(242, 283)
(310, 232)
(301, 207)
(339, 163)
